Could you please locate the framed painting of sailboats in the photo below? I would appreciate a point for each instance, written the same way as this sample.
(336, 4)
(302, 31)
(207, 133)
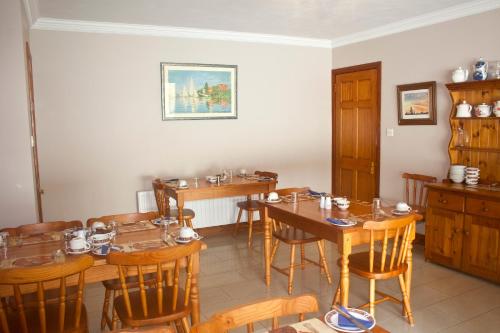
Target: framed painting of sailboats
(198, 91)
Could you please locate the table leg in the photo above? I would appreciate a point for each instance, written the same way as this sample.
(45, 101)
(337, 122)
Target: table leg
(267, 244)
(345, 248)
(409, 262)
(195, 297)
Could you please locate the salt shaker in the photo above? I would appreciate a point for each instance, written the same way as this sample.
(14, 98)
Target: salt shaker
(322, 201)
(328, 202)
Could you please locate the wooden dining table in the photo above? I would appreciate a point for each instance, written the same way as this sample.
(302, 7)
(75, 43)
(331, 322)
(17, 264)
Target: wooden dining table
(202, 189)
(308, 216)
(45, 252)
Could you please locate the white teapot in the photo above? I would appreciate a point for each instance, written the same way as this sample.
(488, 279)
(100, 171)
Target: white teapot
(460, 75)
(464, 110)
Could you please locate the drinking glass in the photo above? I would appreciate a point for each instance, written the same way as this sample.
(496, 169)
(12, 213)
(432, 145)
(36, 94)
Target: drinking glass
(4, 243)
(376, 206)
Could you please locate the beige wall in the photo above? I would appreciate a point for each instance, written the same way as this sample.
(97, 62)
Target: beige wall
(101, 137)
(17, 196)
(425, 54)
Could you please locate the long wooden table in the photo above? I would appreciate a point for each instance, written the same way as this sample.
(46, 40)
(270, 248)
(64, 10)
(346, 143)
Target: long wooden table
(308, 216)
(100, 271)
(204, 190)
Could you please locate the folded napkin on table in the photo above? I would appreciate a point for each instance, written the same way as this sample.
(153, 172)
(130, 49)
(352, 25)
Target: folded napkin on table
(346, 323)
(336, 221)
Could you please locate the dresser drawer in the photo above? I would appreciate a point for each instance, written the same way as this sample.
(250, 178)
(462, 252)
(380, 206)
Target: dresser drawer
(446, 200)
(482, 207)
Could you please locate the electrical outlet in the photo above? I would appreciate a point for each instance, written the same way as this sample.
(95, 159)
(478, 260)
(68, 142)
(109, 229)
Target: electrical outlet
(390, 132)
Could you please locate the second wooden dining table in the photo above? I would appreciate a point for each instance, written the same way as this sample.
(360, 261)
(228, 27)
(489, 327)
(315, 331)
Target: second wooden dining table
(308, 216)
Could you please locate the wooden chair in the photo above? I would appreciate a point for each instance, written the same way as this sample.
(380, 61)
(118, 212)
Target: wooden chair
(65, 315)
(389, 263)
(416, 192)
(113, 286)
(40, 228)
(293, 237)
(164, 206)
(248, 314)
(251, 206)
(166, 301)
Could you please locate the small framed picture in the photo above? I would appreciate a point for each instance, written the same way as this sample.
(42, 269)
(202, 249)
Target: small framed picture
(417, 103)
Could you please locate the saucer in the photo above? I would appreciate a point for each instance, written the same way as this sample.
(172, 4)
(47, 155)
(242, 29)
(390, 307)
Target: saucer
(273, 201)
(183, 187)
(80, 251)
(182, 240)
(332, 320)
(400, 213)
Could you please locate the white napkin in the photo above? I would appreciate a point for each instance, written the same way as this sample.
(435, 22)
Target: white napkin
(315, 323)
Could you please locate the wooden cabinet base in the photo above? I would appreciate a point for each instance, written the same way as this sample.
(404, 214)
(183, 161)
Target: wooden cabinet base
(463, 230)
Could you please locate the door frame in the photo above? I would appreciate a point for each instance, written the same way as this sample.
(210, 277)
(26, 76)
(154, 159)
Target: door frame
(337, 71)
(34, 145)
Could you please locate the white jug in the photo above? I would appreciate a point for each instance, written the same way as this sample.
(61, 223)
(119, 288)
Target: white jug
(464, 110)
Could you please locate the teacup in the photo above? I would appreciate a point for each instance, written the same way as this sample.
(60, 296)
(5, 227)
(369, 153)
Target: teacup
(343, 204)
(80, 233)
(243, 172)
(99, 239)
(403, 207)
(188, 233)
(78, 244)
(272, 196)
(182, 183)
(98, 225)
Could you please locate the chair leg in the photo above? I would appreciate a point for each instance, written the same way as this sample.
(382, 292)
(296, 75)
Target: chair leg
(114, 319)
(292, 264)
(372, 297)
(323, 261)
(178, 326)
(237, 226)
(185, 324)
(336, 298)
(250, 224)
(406, 300)
(302, 257)
(275, 249)
(105, 308)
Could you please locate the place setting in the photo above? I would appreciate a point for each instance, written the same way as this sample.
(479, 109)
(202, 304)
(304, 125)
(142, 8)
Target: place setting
(401, 209)
(350, 320)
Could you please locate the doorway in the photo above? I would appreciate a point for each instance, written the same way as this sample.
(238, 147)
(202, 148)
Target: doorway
(356, 131)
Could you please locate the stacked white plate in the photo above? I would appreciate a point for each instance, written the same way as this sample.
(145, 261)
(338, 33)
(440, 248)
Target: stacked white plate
(457, 173)
(471, 176)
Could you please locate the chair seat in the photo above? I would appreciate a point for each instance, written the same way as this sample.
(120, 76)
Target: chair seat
(359, 264)
(295, 236)
(132, 282)
(188, 213)
(250, 205)
(52, 319)
(154, 317)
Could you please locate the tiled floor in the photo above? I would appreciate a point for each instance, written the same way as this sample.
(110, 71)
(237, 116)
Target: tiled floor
(442, 300)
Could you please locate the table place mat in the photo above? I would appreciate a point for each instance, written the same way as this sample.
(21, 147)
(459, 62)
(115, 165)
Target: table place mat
(144, 245)
(318, 325)
(301, 197)
(37, 239)
(136, 226)
(30, 261)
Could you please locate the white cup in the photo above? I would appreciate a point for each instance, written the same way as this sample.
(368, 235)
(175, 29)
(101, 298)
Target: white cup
(188, 233)
(182, 183)
(343, 204)
(98, 225)
(78, 244)
(272, 196)
(80, 233)
(99, 239)
(243, 172)
(403, 207)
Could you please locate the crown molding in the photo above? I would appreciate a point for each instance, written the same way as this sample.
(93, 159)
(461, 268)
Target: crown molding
(45, 23)
(439, 16)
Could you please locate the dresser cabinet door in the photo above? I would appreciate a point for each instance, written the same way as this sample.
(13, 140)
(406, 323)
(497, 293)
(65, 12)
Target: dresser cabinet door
(443, 236)
(481, 254)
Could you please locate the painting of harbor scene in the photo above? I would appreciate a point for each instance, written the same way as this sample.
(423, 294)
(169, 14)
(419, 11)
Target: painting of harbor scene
(197, 91)
(417, 103)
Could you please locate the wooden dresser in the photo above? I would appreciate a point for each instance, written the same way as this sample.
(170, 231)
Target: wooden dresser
(462, 222)
(463, 229)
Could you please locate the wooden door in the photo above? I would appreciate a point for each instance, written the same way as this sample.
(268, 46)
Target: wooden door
(34, 149)
(356, 131)
(482, 247)
(443, 236)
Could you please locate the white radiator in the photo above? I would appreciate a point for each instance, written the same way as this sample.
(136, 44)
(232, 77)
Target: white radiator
(208, 213)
